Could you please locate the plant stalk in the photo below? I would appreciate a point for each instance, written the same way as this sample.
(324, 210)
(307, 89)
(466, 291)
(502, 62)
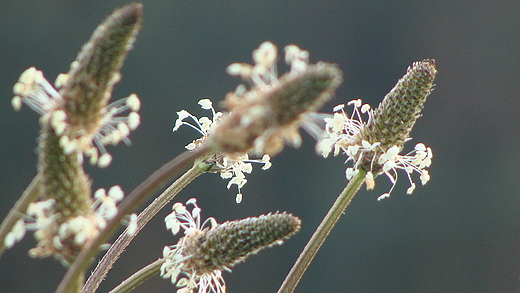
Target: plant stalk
(139, 277)
(155, 181)
(28, 196)
(115, 250)
(321, 233)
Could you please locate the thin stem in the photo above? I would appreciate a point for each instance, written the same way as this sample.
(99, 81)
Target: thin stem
(19, 208)
(115, 250)
(139, 277)
(155, 181)
(321, 233)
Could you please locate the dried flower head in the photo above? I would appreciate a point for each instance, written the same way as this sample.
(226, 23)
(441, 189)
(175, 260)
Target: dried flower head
(264, 117)
(374, 145)
(229, 167)
(205, 251)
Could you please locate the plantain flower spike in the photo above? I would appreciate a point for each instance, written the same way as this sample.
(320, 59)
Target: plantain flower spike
(269, 114)
(374, 146)
(260, 120)
(73, 120)
(78, 110)
(207, 249)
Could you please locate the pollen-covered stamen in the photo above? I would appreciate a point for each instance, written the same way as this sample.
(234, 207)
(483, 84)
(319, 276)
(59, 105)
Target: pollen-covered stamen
(35, 91)
(235, 169)
(417, 160)
(131, 222)
(112, 129)
(264, 72)
(203, 253)
(388, 162)
(297, 58)
(16, 234)
(341, 130)
(229, 166)
(106, 203)
(65, 236)
(203, 125)
(189, 221)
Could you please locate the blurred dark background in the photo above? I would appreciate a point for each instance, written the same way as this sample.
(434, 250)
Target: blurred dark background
(459, 233)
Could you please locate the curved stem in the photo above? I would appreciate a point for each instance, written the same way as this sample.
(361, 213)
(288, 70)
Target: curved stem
(106, 263)
(147, 187)
(321, 233)
(28, 196)
(139, 277)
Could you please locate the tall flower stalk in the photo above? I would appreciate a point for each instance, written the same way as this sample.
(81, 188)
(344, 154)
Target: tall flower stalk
(374, 148)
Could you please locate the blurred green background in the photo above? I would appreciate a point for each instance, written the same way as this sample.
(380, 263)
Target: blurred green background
(459, 233)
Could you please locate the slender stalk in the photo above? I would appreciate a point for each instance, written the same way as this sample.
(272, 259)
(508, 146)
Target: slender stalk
(139, 277)
(115, 250)
(147, 187)
(321, 233)
(19, 208)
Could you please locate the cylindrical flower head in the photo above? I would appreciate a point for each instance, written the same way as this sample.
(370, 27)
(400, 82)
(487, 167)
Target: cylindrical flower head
(88, 86)
(390, 124)
(270, 116)
(67, 217)
(63, 220)
(374, 146)
(84, 116)
(63, 177)
(231, 242)
(203, 253)
(392, 121)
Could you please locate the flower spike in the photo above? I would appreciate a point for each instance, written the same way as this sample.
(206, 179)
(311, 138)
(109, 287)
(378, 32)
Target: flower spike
(207, 249)
(75, 119)
(395, 117)
(374, 145)
(79, 111)
(271, 112)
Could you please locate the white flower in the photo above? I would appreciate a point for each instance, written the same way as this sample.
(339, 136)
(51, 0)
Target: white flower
(106, 204)
(188, 278)
(343, 135)
(203, 124)
(35, 91)
(229, 167)
(16, 234)
(341, 129)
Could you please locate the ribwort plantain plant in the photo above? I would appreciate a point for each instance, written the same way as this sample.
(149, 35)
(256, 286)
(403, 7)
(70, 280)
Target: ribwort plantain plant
(70, 221)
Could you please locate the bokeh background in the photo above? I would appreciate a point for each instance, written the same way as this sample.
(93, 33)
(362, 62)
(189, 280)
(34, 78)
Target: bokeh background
(459, 233)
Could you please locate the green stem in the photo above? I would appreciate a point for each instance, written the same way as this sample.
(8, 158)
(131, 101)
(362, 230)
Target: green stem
(139, 277)
(20, 207)
(115, 250)
(155, 181)
(321, 233)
